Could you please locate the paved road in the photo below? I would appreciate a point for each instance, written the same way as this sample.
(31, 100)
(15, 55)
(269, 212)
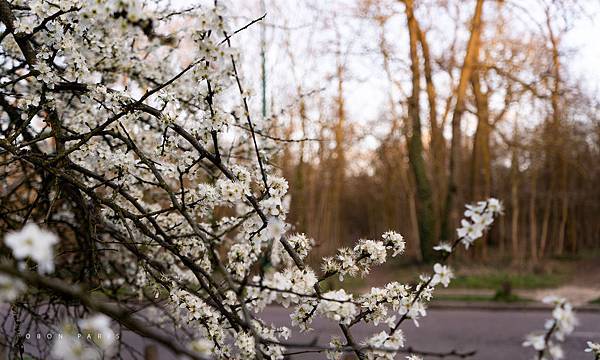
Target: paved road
(495, 334)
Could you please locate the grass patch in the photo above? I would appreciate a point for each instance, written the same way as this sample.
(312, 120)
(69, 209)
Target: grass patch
(508, 298)
(350, 283)
(517, 281)
(462, 297)
(596, 302)
(482, 298)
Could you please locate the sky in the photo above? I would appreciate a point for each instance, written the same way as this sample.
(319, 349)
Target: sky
(287, 14)
(310, 28)
(586, 38)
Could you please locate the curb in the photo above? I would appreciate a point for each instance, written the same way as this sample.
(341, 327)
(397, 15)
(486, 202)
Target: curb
(497, 306)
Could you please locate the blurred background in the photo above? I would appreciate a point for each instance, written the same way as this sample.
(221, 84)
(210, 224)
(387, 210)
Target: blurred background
(395, 113)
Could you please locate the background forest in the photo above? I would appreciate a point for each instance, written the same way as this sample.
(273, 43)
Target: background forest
(396, 113)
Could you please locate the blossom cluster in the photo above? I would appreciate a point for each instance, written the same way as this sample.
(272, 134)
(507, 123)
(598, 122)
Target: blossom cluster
(349, 262)
(385, 344)
(563, 322)
(593, 348)
(478, 218)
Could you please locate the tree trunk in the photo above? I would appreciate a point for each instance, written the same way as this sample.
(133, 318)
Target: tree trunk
(481, 166)
(514, 202)
(415, 146)
(533, 218)
(300, 174)
(558, 139)
(340, 156)
(545, 225)
(437, 146)
(563, 224)
(471, 56)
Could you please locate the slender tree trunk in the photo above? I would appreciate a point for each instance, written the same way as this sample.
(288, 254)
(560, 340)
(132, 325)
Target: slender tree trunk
(437, 144)
(533, 218)
(471, 56)
(320, 216)
(572, 232)
(514, 201)
(502, 235)
(481, 179)
(339, 163)
(413, 214)
(545, 225)
(414, 248)
(415, 146)
(562, 231)
(480, 158)
(558, 139)
(300, 175)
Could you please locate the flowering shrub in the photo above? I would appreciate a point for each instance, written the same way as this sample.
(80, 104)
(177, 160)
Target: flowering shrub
(155, 182)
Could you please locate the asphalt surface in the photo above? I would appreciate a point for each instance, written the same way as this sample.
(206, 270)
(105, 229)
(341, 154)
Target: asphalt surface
(494, 334)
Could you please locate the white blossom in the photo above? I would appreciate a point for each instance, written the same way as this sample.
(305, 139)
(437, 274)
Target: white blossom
(276, 228)
(10, 288)
(494, 205)
(95, 341)
(338, 305)
(565, 320)
(230, 190)
(394, 241)
(537, 341)
(593, 348)
(442, 275)
(386, 343)
(478, 218)
(303, 316)
(335, 353)
(562, 323)
(413, 357)
(202, 347)
(34, 243)
(555, 351)
(97, 328)
(71, 347)
(413, 309)
(278, 186)
(443, 246)
(469, 232)
(245, 343)
(373, 251)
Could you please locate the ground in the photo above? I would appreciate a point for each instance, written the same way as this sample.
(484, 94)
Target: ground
(472, 320)
(578, 280)
(494, 334)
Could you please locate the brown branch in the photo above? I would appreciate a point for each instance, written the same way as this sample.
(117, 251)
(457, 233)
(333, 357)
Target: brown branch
(94, 303)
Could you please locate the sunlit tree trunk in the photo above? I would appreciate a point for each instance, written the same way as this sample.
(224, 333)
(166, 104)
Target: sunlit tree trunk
(481, 167)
